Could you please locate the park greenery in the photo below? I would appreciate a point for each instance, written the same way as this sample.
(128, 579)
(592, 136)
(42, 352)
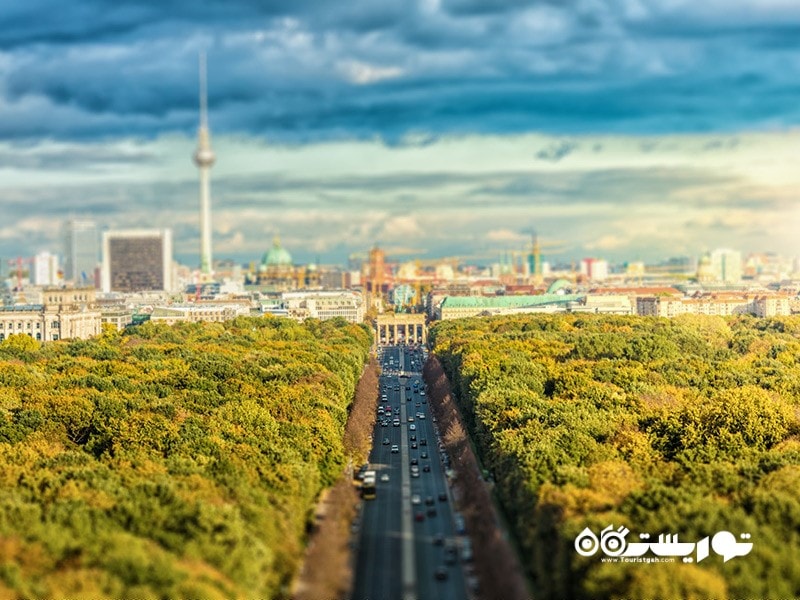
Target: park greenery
(684, 426)
(170, 461)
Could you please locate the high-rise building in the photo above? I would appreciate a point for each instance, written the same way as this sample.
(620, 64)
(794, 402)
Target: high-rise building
(80, 251)
(376, 271)
(137, 260)
(44, 270)
(204, 159)
(726, 265)
(594, 269)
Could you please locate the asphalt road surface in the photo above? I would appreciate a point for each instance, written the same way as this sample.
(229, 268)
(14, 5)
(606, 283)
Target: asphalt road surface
(402, 545)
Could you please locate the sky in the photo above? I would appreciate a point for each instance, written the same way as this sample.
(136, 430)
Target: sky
(618, 129)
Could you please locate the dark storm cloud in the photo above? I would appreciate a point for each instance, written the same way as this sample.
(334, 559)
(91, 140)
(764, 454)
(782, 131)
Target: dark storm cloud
(306, 70)
(556, 151)
(483, 7)
(619, 186)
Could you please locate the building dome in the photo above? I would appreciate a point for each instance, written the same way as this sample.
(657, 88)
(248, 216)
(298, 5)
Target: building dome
(559, 286)
(277, 255)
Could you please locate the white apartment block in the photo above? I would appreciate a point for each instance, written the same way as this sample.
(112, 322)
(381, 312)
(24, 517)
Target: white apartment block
(594, 269)
(44, 269)
(119, 319)
(325, 305)
(195, 313)
(760, 306)
(726, 265)
(608, 304)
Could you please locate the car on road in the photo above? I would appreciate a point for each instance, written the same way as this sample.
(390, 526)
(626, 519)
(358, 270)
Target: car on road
(440, 573)
(426, 468)
(414, 461)
(414, 471)
(438, 539)
(450, 552)
(413, 437)
(431, 511)
(385, 477)
(415, 499)
(419, 516)
(442, 496)
(429, 501)
(396, 422)
(413, 445)
(412, 427)
(461, 527)
(410, 419)
(423, 442)
(424, 455)
(386, 441)
(395, 449)
(466, 550)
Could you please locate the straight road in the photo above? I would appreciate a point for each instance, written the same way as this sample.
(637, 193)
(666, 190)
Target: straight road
(403, 547)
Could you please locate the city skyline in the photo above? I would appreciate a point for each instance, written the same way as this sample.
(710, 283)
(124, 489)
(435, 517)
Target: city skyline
(626, 130)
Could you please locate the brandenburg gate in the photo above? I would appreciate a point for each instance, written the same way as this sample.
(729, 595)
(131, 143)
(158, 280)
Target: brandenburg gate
(401, 329)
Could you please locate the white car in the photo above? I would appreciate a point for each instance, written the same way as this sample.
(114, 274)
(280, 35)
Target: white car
(412, 427)
(415, 499)
(385, 477)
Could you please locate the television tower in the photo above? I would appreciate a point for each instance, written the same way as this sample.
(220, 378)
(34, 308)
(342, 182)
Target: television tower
(204, 159)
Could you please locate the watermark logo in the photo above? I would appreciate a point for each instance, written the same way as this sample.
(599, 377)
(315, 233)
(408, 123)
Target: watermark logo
(613, 544)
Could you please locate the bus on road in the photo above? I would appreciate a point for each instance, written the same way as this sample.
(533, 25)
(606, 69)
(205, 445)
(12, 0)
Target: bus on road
(368, 487)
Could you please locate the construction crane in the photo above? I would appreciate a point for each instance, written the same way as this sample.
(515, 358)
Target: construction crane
(535, 252)
(18, 262)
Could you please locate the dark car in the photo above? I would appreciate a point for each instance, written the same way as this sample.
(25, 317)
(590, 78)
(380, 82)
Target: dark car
(419, 516)
(429, 501)
(414, 461)
(431, 511)
(440, 573)
(423, 442)
(426, 468)
(443, 496)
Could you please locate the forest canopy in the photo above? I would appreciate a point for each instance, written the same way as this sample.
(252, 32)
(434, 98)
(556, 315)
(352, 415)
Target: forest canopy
(170, 461)
(685, 426)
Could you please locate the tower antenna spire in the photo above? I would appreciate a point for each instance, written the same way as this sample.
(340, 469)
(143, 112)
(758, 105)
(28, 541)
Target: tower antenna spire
(203, 90)
(204, 159)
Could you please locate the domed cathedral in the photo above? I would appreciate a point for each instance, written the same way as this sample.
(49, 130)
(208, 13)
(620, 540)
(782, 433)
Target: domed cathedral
(277, 270)
(705, 271)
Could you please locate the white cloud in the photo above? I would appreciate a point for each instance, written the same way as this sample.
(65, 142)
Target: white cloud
(647, 196)
(363, 73)
(506, 235)
(609, 242)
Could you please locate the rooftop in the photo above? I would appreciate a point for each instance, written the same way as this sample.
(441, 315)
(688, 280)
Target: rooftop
(508, 301)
